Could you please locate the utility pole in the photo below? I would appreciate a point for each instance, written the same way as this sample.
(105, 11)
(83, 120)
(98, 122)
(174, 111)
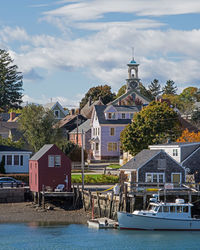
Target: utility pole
(82, 160)
(77, 130)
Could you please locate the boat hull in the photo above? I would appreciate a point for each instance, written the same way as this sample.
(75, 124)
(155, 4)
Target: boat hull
(143, 222)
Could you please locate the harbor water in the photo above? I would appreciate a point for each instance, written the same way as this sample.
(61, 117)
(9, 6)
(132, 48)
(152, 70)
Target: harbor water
(54, 236)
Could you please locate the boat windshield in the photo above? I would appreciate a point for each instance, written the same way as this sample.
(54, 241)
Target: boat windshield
(153, 208)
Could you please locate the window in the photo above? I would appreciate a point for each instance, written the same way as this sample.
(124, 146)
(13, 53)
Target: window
(98, 131)
(112, 131)
(51, 161)
(57, 113)
(155, 177)
(185, 209)
(179, 209)
(57, 161)
(165, 209)
(97, 146)
(148, 178)
(172, 209)
(131, 115)
(94, 131)
(123, 115)
(35, 179)
(175, 152)
(16, 160)
(111, 115)
(9, 160)
(21, 160)
(112, 146)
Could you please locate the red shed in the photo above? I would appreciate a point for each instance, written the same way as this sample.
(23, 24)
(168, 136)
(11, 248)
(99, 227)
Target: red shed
(49, 167)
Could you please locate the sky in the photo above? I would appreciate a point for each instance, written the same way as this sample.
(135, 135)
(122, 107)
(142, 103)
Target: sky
(65, 47)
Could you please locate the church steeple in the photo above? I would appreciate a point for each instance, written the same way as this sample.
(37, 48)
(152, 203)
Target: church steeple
(133, 80)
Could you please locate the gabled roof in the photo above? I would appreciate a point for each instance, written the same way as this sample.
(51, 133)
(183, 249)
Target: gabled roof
(101, 116)
(88, 108)
(67, 119)
(52, 105)
(140, 159)
(131, 91)
(4, 148)
(83, 127)
(193, 154)
(41, 152)
(178, 144)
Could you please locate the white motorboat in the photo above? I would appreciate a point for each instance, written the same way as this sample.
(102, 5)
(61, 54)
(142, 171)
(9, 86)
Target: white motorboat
(161, 216)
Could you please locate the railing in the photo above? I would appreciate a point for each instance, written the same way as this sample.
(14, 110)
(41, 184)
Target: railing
(155, 186)
(10, 185)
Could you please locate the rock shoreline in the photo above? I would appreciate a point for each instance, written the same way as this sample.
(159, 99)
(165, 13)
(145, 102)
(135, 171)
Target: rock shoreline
(26, 212)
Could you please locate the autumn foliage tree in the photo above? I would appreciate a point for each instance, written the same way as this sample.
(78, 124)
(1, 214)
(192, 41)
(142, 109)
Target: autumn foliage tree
(154, 124)
(189, 136)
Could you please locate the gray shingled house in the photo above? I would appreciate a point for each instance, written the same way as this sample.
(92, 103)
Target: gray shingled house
(154, 166)
(185, 153)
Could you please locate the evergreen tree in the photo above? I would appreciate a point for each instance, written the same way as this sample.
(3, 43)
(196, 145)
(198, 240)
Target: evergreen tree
(145, 92)
(155, 88)
(10, 82)
(170, 88)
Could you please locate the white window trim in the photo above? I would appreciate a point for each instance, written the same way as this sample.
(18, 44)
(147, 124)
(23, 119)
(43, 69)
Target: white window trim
(57, 166)
(176, 173)
(157, 173)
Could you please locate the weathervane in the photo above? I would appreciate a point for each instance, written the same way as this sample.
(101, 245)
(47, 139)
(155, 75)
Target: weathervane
(132, 48)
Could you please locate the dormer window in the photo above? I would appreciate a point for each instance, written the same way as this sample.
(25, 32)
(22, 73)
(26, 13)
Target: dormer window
(111, 115)
(57, 113)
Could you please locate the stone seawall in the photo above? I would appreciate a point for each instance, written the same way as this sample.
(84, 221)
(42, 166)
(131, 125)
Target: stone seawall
(11, 195)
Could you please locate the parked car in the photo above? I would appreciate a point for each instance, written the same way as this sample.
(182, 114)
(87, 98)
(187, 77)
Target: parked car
(10, 182)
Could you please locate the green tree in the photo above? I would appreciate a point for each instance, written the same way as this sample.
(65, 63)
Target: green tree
(154, 124)
(145, 92)
(121, 91)
(9, 142)
(103, 92)
(170, 88)
(155, 88)
(196, 117)
(39, 127)
(10, 82)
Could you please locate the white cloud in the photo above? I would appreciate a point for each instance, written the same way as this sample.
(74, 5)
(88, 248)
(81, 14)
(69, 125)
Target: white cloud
(8, 34)
(163, 54)
(43, 99)
(90, 10)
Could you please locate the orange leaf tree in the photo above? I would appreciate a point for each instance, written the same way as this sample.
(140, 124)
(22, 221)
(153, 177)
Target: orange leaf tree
(189, 136)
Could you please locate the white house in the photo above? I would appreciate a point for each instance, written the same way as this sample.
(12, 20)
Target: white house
(16, 160)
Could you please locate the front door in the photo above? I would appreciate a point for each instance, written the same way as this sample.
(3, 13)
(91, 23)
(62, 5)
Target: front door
(176, 177)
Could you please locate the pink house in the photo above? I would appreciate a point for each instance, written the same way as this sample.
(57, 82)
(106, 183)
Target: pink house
(49, 167)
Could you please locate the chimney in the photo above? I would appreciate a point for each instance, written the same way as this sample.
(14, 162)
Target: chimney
(12, 116)
(72, 112)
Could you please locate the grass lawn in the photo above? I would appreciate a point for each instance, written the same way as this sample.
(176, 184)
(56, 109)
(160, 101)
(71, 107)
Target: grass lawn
(95, 179)
(114, 166)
